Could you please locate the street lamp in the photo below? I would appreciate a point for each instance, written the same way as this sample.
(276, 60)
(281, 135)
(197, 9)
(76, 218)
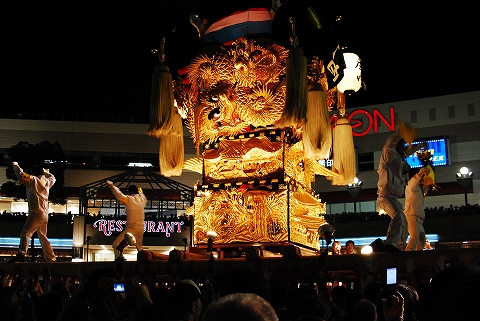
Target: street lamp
(87, 240)
(465, 178)
(354, 188)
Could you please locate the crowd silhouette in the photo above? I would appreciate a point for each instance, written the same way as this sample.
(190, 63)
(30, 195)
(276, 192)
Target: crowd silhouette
(240, 294)
(250, 293)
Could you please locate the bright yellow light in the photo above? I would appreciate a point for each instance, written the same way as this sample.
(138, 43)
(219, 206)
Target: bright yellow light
(367, 249)
(211, 234)
(351, 74)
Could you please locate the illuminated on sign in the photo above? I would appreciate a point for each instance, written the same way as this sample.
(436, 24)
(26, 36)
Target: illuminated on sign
(373, 120)
(107, 227)
(438, 148)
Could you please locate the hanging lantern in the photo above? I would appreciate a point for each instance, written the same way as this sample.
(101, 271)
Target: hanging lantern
(352, 74)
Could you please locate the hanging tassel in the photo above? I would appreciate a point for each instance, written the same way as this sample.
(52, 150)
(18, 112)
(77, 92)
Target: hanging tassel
(171, 151)
(343, 153)
(343, 148)
(297, 84)
(161, 97)
(317, 134)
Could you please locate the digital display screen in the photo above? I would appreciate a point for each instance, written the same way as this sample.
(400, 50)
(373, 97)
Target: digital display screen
(438, 148)
(118, 287)
(391, 275)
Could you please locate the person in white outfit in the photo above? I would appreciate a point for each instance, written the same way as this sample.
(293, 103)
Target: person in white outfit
(38, 186)
(393, 175)
(415, 193)
(135, 203)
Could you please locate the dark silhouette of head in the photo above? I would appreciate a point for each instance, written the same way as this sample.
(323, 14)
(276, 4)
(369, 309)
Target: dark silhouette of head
(452, 294)
(339, 294)
(49, 306)
(245, 281)
(240, 307)
(365, 310)
(36, 170)
(184, 301)
(132, 189)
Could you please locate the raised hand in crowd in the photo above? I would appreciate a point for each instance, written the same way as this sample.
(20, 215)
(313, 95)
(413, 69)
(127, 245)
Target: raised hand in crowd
(395, 311)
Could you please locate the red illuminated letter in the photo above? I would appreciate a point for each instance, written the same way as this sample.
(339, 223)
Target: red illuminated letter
(377, 115)
(358, 122)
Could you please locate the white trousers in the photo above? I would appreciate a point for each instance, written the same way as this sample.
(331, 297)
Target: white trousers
(136, 230)
(397, 231)
(36, 222)
(417, 234)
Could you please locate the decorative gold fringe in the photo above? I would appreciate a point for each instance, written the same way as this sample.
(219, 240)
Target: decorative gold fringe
(308, 175)
(317, 135)
(171, 151)
(296, 88)
(343, 153)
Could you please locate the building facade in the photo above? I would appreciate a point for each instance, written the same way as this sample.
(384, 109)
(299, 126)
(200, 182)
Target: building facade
(96, 150)
(455, 117)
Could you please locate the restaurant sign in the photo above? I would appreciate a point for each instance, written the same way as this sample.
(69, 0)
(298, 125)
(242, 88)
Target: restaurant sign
(107, 227)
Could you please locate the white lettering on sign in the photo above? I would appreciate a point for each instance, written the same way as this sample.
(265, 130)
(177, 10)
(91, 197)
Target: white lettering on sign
(107, 227)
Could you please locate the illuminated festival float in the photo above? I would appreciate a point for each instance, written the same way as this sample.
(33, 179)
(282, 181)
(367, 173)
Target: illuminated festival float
(259, 116)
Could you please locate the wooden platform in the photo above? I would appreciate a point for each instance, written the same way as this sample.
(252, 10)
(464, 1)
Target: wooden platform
(344, 267)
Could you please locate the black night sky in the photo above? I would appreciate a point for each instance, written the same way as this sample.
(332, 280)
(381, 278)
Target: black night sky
(94, 57)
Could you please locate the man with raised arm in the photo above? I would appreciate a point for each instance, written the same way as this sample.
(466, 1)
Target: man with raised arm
(38, 185)
(135, 203)
(392, 179)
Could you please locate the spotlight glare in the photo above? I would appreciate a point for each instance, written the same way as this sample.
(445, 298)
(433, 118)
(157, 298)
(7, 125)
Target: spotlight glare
(367, 249)
(464, 171)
